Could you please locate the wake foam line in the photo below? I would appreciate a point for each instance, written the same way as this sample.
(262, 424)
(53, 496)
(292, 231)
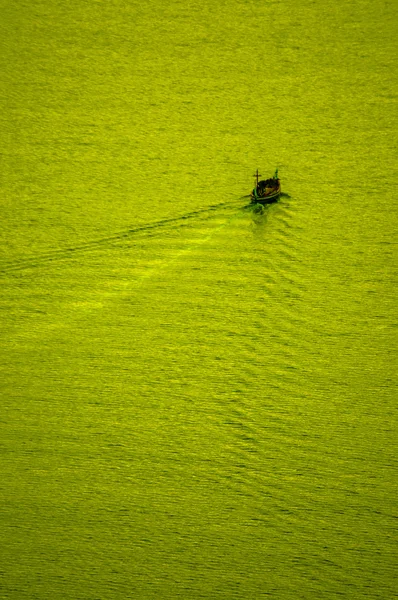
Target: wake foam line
(45, 257)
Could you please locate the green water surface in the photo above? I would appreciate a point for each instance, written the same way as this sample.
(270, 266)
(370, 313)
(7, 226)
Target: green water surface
(197, 400)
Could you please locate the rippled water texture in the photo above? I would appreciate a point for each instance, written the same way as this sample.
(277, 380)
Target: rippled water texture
(197, 399)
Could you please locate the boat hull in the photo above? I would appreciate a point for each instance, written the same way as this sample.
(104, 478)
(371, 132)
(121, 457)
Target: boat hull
(267, 198)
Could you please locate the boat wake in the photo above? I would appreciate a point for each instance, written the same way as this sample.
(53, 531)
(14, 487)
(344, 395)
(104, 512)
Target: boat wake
(147, 230)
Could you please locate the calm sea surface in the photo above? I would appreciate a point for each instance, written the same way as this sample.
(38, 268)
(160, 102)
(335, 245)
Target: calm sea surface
(197, 399)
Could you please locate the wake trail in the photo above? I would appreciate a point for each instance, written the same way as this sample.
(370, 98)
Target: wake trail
(148, 230)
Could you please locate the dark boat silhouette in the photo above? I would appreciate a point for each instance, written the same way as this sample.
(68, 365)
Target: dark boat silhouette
(266, 191)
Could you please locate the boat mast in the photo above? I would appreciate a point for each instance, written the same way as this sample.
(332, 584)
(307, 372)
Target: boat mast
(257, 175)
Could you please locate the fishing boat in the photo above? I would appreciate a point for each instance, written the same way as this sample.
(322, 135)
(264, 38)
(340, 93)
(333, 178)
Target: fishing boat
(266, 191)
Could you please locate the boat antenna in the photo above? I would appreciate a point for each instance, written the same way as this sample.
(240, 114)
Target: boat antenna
(257, 175)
